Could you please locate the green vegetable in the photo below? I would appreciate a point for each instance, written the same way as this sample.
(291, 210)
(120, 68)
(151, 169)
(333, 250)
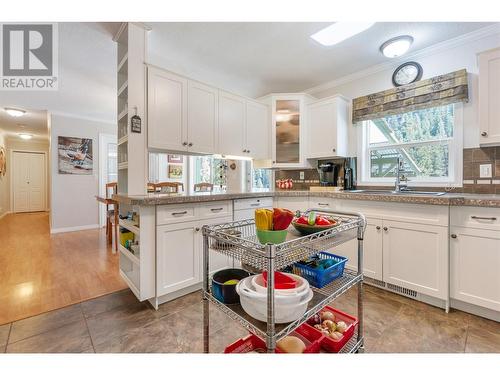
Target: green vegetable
(311, 219)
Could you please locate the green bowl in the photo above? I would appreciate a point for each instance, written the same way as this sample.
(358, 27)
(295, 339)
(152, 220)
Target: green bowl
(271, 236)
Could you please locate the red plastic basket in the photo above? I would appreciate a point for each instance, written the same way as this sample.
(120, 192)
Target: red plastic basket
(329, 344)
(246, 345)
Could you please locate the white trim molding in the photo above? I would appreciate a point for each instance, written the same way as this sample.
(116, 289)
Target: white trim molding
(4, 214)
(73, 229)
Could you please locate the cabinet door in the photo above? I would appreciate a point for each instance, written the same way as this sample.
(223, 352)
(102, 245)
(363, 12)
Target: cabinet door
(475, 265)
(178, 257)
(322, 135)
(372, 251)
(202, 118)
(217, 261)
(257, 130)
(293, 203)
(231, 124)
(416, 257)
(167, 111)
(489, 97)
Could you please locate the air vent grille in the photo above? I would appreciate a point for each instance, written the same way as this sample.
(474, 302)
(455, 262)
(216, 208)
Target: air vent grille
(400, 290)
(374, 282)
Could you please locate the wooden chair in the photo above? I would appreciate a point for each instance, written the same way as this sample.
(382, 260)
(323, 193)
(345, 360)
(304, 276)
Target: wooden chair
(203, 187)
(151, 187)
(111, 215)
(168, 187)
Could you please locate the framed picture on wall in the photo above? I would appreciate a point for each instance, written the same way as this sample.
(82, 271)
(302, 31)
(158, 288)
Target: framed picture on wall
(175, 158)
(175, 171)
(75, 155)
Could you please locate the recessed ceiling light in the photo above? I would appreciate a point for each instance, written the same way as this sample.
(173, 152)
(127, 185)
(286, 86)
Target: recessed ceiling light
(25, 136)
(397, 46)
(340, 31)
(15, 112)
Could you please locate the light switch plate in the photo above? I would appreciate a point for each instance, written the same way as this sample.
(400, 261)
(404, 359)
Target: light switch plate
(485, 171)
(301, 175)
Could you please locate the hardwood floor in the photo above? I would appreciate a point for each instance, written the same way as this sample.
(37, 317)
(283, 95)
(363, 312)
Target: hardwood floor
(40, 272)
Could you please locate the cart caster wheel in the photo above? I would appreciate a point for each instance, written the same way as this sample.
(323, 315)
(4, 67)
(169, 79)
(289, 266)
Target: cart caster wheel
(360, 350)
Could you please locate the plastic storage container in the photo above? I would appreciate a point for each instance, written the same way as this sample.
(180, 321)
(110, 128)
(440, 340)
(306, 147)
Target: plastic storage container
(302, 284)
(329, 344)
(321, 277)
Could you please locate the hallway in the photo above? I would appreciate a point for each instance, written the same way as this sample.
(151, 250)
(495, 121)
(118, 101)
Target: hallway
(40, 272)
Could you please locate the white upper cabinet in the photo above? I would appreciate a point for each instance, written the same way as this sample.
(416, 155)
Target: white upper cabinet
(327, 128)
(232, 116)
(489, 97)
(202, 123)
(167, 110)
(257, 130)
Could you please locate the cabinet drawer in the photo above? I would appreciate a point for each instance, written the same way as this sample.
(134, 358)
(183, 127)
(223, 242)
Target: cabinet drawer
(175, 213)
(476, 217)
(319, 202)
(243, 204)
(214, 209)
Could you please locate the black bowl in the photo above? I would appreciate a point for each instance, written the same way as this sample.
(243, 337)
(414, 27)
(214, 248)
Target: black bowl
(227, 293)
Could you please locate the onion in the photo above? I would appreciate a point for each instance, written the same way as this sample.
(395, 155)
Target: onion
(341, 326)
(327, 315)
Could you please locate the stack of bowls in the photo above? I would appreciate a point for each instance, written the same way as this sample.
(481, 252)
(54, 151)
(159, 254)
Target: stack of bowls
(290, 304)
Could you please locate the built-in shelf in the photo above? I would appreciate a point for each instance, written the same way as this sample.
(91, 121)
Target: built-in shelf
(130, 225)
(130, 283)
(129, 254)
(123, 140)
(123, 114)
(123, 165)
(122, 91)
(123, 66)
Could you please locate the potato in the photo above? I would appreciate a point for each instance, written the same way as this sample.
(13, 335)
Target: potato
(330, 325)
(291, 344)
(336, 335)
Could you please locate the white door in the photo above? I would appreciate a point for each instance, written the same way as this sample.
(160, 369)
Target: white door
(475, 265)
(217, 261)
(28, 181)
(322, 132)
(178, 257)
(257, 130)
(202, 117)
(167, 111)
(231, 124)
(108, 168)
(489, 97)
(416, 257)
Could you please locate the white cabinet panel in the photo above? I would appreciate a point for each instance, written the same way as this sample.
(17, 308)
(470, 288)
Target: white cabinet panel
(217, 261)
(322, 203)
(372, 251)
(415, 256)
(231, 124)
(202, 117)
(167, 111)
(489, 97)
(475, 265)
(257, 130)
(293, 203)
(178, 257)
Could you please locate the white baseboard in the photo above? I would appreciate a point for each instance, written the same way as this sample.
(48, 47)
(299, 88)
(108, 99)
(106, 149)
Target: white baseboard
(73, 229)
(4, 214)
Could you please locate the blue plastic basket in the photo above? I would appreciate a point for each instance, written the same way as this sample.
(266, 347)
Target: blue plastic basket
(318, 277)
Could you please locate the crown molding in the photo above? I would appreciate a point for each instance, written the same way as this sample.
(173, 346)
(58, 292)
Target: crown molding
(78, 117)
(438, 47)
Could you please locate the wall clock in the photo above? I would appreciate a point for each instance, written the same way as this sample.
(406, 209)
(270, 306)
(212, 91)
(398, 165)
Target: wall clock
(406, 73)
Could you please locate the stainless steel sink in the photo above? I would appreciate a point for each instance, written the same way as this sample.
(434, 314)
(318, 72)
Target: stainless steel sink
(404, 192)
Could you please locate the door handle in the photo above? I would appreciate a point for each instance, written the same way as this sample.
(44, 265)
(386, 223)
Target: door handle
(483, 218)
(386, 229)
(197, 229)
(255, 204)
(484, 134)
(323, 204)
(190, 144)
(378, 227)
(216, 209)
(184, 143)
(453, 236)
(179, 213)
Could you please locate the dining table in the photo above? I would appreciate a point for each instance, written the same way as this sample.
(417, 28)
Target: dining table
(108, 202)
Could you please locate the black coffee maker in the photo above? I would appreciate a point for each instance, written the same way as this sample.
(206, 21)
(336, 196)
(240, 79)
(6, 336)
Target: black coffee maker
(338, 172)
(328, 173)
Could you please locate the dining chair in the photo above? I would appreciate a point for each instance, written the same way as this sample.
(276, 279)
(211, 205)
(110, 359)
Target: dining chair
(168, 187)
(203, 187)
(111, 222)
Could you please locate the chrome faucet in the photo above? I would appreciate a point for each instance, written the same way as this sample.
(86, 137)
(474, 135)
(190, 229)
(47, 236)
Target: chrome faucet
(401, 183)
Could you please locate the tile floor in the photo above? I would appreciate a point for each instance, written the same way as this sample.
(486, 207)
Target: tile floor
(118, 323)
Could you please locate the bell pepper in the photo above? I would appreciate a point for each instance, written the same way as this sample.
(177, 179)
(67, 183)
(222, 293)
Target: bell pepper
(282, 218)
(264, 219)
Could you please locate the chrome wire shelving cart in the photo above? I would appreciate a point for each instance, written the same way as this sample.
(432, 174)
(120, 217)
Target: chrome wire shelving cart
(238, 240)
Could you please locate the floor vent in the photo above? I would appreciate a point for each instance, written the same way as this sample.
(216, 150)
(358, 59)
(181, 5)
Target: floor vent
(374, 282)
(400, 290)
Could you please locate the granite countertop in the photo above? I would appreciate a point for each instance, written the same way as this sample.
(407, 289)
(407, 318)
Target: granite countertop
(449, 199)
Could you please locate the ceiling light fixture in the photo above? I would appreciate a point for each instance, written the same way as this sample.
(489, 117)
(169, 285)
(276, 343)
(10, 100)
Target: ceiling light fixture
(397, 46)
(15, 112)
(25, 136)
(340, 31)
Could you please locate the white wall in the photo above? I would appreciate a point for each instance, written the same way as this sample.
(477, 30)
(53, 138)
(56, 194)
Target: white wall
(4, 186)
(73, 196)
(436, 62)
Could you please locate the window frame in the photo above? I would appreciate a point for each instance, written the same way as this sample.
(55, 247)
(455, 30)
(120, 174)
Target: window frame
(455, 149)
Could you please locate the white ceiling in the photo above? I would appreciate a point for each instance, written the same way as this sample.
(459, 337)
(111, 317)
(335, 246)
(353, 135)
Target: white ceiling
(32, 122)
(259, 58)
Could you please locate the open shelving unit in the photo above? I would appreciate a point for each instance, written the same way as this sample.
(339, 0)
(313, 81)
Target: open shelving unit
(247, 249)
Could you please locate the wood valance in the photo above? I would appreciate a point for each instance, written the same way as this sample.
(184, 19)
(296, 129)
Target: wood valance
(440, 90)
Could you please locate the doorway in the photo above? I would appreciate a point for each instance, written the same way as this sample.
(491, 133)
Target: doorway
(108, 168)
(29, 181)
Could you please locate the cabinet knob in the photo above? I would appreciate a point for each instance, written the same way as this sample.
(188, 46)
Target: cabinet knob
(378, 227)
(184, 143)
(248, 151)
(453, 236)
(484, 134)
(197, 229)
(386, 229)
(244, 150)
(190, 144)
(334, 150)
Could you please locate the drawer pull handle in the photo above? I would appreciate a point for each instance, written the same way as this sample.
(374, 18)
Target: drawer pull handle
(216, 209)
(483, 218)
(255, 204)
(323, 204)
(179, 213)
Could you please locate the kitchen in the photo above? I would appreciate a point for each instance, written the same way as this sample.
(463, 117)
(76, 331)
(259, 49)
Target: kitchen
(266, 206)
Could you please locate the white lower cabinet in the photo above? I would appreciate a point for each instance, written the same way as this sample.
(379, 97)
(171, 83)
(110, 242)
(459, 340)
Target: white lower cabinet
(475, 265)
(415, 256)
(178, 257)
(372, 251)
(217, 261)
(292, 203)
